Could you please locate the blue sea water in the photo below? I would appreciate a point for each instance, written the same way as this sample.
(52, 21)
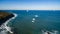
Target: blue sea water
(34, 21)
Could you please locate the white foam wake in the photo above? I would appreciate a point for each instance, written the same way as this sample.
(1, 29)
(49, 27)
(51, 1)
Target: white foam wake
(6, 28)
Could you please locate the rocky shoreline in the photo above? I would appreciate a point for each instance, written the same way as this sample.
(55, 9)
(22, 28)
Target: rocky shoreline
(4, 16)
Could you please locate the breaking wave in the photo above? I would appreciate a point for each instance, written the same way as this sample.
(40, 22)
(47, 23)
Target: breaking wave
(50, 32)
(4, 28)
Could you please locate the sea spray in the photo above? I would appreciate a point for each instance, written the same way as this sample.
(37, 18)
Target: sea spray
(4, 28)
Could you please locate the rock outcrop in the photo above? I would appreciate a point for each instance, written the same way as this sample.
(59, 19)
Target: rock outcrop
(4, 16)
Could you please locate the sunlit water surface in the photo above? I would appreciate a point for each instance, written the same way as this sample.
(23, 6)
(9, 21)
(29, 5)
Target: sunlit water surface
(35, 22)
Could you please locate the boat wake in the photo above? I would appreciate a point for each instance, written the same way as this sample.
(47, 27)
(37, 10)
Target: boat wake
(4, 28)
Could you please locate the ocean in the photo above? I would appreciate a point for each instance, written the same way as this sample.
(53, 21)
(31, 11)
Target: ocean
(35, 21)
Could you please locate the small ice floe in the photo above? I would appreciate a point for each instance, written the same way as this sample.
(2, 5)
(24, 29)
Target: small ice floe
(36, 15)
(33, 20)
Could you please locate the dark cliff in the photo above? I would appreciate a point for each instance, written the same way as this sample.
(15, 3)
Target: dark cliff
(4, 16)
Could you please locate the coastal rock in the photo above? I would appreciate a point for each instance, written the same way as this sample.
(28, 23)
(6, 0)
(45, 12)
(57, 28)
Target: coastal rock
(4, 16)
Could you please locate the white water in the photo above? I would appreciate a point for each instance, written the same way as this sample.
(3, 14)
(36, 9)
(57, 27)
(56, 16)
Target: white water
(6, 28)
(54, 32)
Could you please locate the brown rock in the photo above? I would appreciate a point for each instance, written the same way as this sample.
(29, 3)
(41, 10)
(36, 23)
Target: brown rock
(4, 16)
